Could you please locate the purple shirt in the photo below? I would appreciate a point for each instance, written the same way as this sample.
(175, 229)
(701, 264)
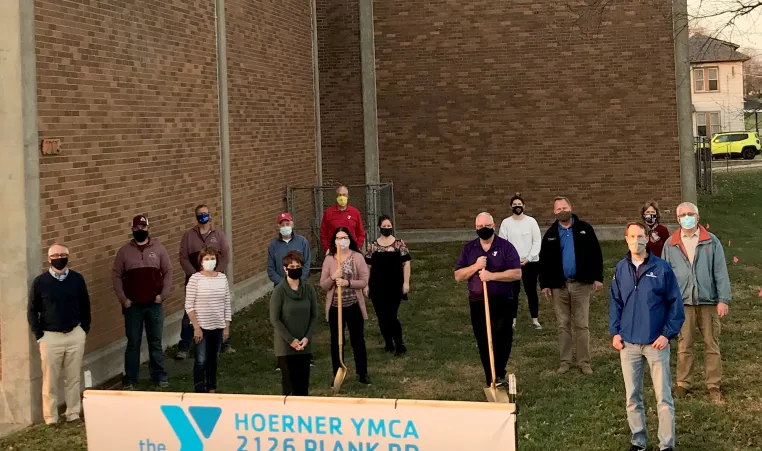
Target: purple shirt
(501, 256)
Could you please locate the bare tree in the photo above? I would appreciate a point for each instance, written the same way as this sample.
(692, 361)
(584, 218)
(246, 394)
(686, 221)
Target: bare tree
(752, 73)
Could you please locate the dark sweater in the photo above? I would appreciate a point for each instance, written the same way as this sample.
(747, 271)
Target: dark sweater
(293, 315)
(58, 306)
(587, 252)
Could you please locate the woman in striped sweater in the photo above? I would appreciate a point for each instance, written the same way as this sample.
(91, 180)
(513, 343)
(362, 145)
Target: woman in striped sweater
(207, 302)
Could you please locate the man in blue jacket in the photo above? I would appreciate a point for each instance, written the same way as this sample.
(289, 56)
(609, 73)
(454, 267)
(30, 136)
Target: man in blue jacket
(286, 241)
(645, 313)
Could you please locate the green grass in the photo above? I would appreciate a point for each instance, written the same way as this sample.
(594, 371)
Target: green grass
(569, 411)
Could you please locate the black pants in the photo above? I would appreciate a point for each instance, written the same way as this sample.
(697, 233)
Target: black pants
(353, 321)
(295, 374)
(207, 358)
(501, 310)
(387, 308)
(529, 277)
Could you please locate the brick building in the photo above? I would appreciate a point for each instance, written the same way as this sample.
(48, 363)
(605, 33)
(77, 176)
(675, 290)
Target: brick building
(425, 94)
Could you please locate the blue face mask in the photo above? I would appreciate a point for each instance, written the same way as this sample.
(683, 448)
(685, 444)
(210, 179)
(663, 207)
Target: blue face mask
(203, 218)
(688, 222)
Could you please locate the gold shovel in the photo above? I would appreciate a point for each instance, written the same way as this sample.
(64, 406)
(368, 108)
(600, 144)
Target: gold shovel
(341, 373)
(493, 393)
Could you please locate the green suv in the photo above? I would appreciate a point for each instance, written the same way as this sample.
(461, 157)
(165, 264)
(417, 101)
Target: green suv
(733, 144)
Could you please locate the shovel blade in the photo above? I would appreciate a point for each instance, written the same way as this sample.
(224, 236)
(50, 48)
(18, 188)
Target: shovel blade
(341, 374)
(495, 394)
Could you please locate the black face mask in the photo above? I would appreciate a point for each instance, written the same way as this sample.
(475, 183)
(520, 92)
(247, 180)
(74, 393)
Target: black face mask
(650, 219)
(387, 232)
(59, 263)
(517, 210)
(564, 216)
(485, 233)
(294, 273)
(140, 235)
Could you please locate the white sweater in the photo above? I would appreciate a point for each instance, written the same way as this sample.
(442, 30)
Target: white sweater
(209, 297)
(525, 236)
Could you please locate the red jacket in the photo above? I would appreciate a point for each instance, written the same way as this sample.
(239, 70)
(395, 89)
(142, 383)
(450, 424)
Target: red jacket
(656, 239)
(333, 218)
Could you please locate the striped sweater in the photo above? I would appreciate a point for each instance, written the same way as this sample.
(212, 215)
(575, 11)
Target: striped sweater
(209, 297)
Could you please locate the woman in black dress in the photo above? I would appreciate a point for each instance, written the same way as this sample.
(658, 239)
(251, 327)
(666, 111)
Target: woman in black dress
(389, 261)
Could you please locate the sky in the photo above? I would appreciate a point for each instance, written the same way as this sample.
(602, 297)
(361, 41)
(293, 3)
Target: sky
(747, 31)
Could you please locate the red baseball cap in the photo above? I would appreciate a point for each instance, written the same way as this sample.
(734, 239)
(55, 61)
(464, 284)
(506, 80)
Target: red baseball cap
(285, 216)
(139, 220)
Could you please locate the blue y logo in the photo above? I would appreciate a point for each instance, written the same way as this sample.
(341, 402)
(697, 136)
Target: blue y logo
(205, 417)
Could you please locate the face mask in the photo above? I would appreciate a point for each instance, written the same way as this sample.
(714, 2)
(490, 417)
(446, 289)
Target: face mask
(485, 233)
(343, 243)
(688, 222)
(294, 273)
(564, 216)
(638, 246)
(203, 218)
(209, 265)
(517, 210)
(650, 219)
(342, 201)
(286, 231)
(140, 235)
(59, 263)
(386, 231)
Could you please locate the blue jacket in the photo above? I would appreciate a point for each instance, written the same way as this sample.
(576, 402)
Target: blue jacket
(646, 303)
(278, 249)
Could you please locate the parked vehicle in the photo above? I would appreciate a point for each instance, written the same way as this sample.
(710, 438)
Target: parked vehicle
(735, 144)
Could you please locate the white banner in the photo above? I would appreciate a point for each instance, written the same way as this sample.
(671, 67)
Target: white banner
(148, 421)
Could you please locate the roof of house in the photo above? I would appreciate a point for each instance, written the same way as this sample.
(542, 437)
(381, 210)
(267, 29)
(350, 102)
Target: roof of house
(706, 49)
(752, 104)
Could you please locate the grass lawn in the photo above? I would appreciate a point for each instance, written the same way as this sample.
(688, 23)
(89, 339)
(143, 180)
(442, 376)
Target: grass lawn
(569, 411)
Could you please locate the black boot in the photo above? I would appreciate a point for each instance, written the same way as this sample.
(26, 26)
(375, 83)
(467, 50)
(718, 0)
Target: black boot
(401, 349)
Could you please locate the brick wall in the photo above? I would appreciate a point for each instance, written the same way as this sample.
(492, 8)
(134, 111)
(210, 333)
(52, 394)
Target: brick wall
(272, 118)
(480, 99)
(130, 89)
(341, 117)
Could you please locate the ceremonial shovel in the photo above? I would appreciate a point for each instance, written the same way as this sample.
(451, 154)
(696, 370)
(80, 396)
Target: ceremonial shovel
(493, 393)
(341, 373)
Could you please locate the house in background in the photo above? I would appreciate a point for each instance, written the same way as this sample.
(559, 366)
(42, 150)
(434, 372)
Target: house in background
(753, 111)
(717, 84)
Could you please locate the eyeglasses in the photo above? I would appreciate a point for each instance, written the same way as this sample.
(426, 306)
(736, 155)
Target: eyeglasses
(58, 256)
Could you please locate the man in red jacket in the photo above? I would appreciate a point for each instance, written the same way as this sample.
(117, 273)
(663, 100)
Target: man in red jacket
(341, 215)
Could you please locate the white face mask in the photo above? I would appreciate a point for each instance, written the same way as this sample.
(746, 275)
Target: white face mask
(344, 243)
(286, 230)
(209, 265)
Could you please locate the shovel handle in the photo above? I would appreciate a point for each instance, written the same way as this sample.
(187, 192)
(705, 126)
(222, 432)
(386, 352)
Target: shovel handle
(489, 332)
(340, 315)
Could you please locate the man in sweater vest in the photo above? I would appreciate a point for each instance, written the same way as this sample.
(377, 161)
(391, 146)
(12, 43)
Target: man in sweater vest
(59, 316)
(143, 281)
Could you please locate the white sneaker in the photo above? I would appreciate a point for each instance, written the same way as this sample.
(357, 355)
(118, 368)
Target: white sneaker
(514, 323)
(537, 325)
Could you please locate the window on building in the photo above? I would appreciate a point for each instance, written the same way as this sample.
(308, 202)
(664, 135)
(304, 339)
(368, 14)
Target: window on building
(714, 123)
(706, 79)
(708, 123)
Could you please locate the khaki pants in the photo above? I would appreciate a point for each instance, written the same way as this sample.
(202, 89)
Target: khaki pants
(62, 351)
(572, 305)
(708, 322)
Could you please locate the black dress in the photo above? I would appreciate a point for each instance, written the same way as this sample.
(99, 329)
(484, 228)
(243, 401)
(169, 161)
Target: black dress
(385, 289)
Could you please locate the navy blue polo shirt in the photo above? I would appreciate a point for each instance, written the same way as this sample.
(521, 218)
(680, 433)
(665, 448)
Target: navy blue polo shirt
(501, 256)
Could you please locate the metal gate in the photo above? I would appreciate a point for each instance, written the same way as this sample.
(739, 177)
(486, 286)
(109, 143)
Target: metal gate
(703, 148)
(307, 204)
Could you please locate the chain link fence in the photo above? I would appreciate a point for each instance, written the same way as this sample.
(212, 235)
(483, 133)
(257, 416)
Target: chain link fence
(307, 204)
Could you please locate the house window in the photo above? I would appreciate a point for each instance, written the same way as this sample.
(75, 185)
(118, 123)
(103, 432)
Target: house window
(706, 79)
(708, 123)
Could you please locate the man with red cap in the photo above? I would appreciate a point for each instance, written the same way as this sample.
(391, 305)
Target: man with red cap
(143, 281)
(286, 241)
(341, 215)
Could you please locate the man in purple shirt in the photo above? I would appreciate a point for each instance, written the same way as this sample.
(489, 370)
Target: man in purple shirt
(493, 260)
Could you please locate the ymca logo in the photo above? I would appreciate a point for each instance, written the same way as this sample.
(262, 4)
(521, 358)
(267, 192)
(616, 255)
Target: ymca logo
(152, 254)
(205, 418)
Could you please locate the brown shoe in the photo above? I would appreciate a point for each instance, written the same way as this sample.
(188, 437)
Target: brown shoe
(563, 369)
(716, 396)
(586, 369)
(680, 392)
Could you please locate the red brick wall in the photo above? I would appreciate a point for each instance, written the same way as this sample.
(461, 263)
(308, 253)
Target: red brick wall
(480, 99)
(272, 118)
(130, 89)
(341, 117)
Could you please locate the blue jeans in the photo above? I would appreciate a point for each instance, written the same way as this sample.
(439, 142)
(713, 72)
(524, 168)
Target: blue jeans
(207, 357)
(633, 359)
(186, 335)
(150, 316)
